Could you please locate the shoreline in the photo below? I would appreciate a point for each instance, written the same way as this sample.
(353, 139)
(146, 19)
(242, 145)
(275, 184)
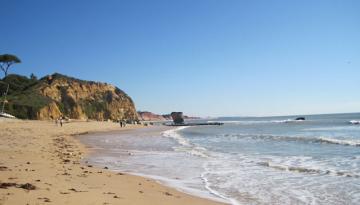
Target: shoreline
(41, 163)
(97, 148)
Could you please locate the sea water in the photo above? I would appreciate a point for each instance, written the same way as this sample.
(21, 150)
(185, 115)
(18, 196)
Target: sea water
(248, 160)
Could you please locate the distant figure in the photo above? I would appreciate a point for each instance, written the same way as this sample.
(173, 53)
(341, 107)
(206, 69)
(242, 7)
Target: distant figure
(124, 123)
(56, 121)
(121, 123)
(61, 121)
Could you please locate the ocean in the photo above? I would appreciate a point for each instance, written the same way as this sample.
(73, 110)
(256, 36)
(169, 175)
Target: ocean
(248, 160)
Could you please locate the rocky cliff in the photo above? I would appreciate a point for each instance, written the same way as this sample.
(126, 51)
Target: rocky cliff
(59, 95)
(149, 116)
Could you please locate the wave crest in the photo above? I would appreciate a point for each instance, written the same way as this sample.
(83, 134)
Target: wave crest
(186, 145)
(321, 140)
(249, 122)
(355, 122)
(307, 170)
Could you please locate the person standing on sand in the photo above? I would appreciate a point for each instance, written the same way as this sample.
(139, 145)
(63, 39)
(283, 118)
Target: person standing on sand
(121, 124)
(61, 121)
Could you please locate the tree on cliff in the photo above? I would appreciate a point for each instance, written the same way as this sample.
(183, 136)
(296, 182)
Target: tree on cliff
(7, 60)
(33, 76)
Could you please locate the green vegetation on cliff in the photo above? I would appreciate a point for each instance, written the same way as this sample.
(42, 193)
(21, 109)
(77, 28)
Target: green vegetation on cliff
(58, 95)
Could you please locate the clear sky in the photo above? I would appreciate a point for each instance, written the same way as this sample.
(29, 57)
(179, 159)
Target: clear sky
(202, 57)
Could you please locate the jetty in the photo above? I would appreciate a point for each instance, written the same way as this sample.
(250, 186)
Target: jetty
(194, 124)
(178, 120)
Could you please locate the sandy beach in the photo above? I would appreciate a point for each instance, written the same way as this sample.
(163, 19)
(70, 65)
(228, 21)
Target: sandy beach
(40, 163)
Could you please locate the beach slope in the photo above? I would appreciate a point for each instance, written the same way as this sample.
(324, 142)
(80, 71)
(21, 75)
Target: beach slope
(40, 163)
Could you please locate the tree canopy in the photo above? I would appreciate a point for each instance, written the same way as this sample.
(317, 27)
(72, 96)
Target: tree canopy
(6, 60)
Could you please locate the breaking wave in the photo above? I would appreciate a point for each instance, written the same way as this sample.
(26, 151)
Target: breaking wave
(213, 191)
(321, 140)
(355, 122)
(249, 122)
(186, 146)
(307, 170)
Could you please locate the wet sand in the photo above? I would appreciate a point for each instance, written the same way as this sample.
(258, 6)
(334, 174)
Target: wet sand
(40, 163)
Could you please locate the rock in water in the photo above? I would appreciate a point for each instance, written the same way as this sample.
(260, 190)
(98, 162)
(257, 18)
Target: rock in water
(177, 117)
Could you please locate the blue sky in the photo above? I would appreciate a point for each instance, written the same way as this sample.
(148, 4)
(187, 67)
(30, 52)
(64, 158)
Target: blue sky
(203, 57)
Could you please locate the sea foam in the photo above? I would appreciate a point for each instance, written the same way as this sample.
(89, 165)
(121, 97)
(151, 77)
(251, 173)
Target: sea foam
(185, 144)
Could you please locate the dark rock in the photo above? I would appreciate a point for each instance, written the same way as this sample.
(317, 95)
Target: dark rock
(45, 199)
(3, 168)
(27, 186)
(6, 185)
(177, 117)
(108, 193)
(167, 194)
(74, 190)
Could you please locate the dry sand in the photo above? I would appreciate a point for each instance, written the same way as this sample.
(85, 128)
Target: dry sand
(40, 164)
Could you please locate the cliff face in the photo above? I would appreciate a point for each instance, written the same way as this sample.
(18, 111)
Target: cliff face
(149, 116)
(56, 95)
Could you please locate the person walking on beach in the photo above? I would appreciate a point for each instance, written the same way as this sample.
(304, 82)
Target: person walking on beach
(121, 123)
(61, 121)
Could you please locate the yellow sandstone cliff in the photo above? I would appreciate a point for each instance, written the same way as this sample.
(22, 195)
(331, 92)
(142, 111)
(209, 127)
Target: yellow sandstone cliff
(58, 95)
